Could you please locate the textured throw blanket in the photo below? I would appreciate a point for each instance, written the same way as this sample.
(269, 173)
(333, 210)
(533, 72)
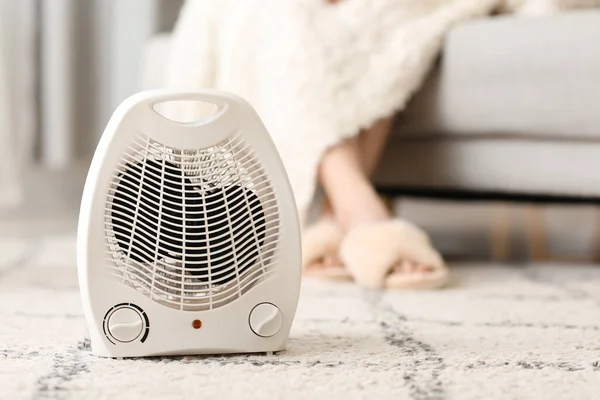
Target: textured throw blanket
(316, 72)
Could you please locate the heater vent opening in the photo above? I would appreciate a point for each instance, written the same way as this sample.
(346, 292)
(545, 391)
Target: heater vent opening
(191, 229)
(187, 111)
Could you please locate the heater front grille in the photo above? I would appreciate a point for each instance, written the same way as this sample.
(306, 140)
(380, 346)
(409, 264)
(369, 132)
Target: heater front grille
(191, 229)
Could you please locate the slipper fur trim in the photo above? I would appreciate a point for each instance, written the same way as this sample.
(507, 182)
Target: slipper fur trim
(370, 251)
(319, 240)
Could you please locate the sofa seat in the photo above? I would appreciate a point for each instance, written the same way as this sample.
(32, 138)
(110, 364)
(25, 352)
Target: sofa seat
(513, 107)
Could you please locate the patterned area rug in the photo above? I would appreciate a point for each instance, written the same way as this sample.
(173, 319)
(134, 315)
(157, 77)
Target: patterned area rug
(498, 332)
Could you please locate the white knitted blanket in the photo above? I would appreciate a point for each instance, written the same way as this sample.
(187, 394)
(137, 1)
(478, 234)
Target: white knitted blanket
(316, 72)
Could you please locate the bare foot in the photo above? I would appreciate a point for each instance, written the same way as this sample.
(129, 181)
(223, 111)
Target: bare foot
(409, 267)
(378, 250)
(405, 258)
(364, 207)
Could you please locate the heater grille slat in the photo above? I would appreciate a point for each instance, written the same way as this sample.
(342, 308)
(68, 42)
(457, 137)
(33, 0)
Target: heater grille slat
(191, 229)
(149, 250)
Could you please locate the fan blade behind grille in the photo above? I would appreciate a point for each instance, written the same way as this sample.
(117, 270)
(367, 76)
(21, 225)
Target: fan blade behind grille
(215, 234)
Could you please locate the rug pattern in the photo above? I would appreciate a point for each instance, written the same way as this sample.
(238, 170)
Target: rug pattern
(498, 332)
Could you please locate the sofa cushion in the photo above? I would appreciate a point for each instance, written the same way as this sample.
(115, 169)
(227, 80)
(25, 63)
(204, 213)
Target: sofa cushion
(514, 76)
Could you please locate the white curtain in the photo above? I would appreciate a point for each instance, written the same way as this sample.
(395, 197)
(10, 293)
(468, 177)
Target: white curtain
(64, 66)
(91, 53)
(10, 191)
(17, 95)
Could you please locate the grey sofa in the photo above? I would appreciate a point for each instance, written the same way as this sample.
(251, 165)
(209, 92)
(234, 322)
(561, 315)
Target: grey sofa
(512, 110)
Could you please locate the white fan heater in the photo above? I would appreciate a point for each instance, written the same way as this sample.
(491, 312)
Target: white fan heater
(188, 241)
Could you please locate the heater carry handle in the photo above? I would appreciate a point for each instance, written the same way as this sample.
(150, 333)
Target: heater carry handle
(203, 132)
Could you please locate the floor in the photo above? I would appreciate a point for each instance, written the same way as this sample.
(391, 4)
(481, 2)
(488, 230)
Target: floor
(498, 331)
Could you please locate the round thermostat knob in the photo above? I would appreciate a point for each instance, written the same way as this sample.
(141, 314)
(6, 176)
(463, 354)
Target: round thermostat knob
(125, 324)
(266, 320)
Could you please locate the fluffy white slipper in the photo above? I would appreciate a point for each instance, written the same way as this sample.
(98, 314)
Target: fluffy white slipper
(370, 252)
(318, 241)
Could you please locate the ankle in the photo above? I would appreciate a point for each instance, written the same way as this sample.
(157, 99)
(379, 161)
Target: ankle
(361, 210)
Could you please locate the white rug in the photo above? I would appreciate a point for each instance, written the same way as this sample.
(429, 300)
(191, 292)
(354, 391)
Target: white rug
(500, 332)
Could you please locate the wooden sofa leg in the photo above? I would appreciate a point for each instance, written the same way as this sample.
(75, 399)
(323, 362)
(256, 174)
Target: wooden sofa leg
(595, 244)
(501, 238)
(536, 233)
